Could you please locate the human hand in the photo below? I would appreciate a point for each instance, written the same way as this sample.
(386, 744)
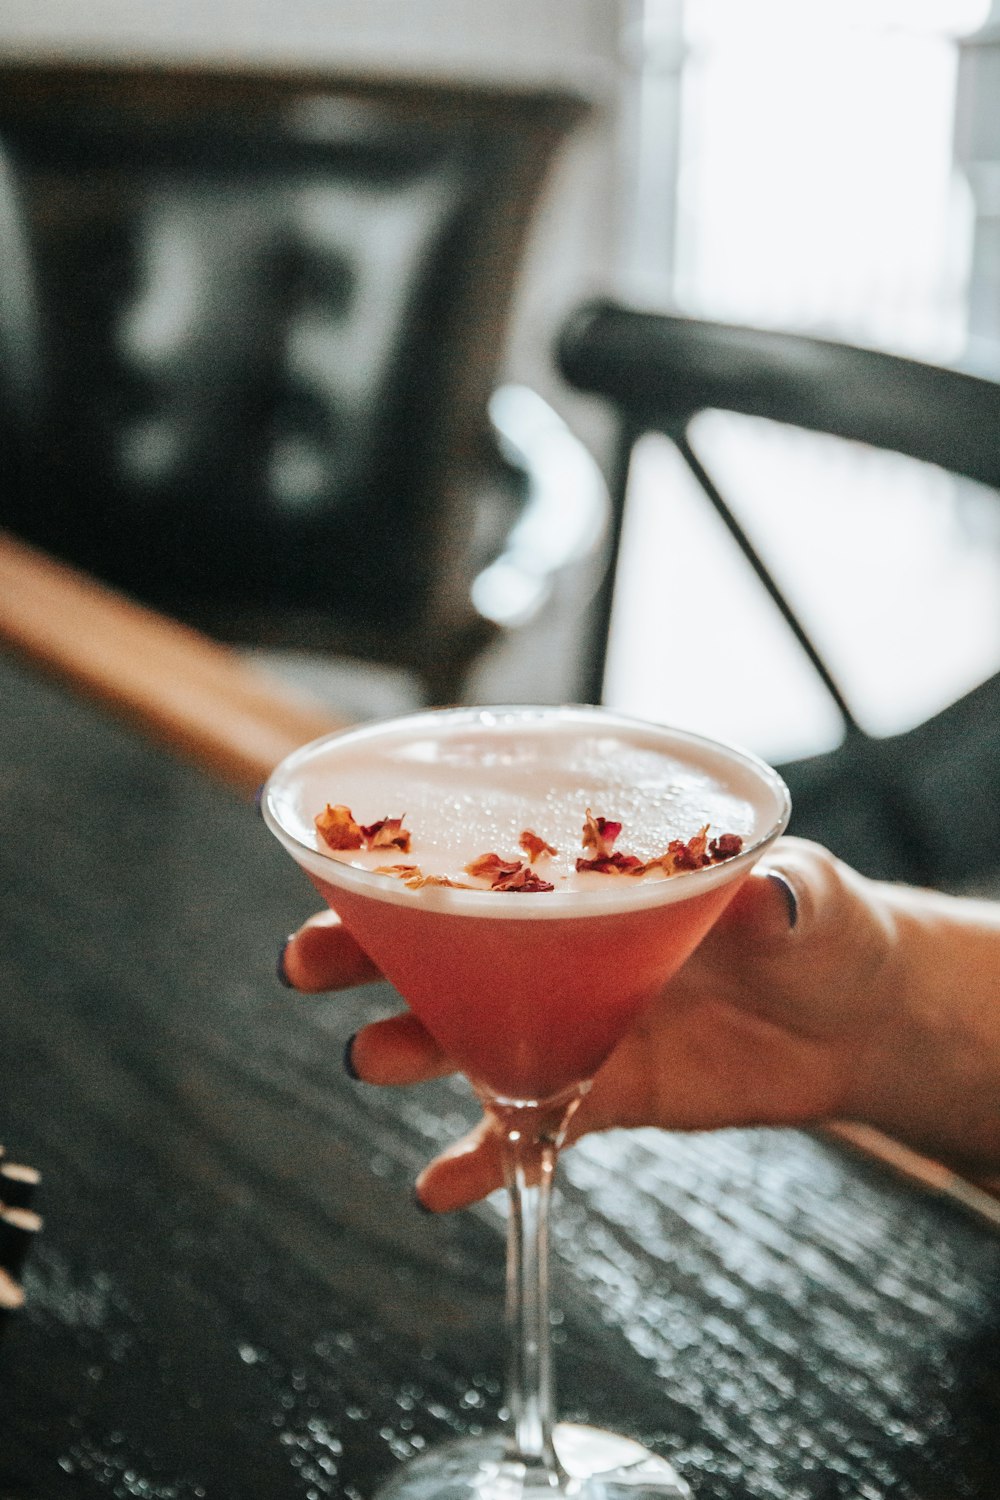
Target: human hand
(817, 995)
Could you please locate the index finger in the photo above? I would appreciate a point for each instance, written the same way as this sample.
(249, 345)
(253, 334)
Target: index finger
(322, 955)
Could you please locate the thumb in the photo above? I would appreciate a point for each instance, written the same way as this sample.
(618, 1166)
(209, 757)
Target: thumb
(803, 939)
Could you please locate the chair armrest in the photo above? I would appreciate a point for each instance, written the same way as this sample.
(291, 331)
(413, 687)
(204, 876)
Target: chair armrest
(564, 521)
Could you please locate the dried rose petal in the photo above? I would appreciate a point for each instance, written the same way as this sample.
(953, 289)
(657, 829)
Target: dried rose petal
(414, 877)
(389, 833)
(417, 881)
(686, 856)
(337, 828)
(599, 834)
(695, 853)
(491, 867)
(697, 846)
(522, 879)
(669, 862)
(614, 863)
(534, 845)
(726, 846)
(507, 874)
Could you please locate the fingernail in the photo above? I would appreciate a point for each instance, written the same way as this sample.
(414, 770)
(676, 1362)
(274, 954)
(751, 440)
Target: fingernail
(279, 967)
(787, 890)
(258, 799)
(419, 1203)
(349, 1067)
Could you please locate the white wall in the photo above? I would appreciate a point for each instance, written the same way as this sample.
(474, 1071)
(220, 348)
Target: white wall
(555, 40)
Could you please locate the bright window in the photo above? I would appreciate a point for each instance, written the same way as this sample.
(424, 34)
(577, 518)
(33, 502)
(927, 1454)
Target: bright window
(815, 191)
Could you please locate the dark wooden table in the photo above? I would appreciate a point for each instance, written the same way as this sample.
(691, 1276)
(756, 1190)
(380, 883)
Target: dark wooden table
(234, 1295)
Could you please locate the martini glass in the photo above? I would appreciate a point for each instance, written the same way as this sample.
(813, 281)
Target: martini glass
(527, 990)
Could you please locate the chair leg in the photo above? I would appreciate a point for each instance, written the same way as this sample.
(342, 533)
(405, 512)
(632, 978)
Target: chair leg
(595, 657)
(709, 489)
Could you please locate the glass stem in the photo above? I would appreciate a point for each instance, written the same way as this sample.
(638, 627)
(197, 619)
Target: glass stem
(531, 1135)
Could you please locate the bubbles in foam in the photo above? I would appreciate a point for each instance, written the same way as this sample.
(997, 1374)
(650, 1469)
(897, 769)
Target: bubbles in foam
(475, 787)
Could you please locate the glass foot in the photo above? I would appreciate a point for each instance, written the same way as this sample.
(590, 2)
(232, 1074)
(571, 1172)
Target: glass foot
(596, 1466)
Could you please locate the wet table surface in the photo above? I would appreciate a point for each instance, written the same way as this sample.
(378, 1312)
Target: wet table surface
(234, 1294)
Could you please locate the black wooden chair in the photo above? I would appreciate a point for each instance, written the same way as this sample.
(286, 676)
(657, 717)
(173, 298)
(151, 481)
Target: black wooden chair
(920, 805)
(249, 334)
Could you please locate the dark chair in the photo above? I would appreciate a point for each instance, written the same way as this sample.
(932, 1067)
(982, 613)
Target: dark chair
(919, 805)
(254, 325)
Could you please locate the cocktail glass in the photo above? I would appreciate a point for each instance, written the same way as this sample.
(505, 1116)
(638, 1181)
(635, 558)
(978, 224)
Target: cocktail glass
(527, 991)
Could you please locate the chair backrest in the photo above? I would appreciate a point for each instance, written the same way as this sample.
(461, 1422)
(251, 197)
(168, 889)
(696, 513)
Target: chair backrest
(919, 805)
(270, 311)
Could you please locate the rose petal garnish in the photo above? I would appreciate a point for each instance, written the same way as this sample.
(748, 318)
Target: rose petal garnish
(696, 853)
(337, 828)
(726, 846)
(534, 845)
(692, 855)
(614, 863)
(414, 877)
(599, 834)
(697, 845)
(389, 833)
(507, 874)
(679, 855)
(491, 867)
(522, 879)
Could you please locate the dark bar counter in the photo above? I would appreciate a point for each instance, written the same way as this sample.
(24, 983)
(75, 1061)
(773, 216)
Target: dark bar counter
(233, 1293)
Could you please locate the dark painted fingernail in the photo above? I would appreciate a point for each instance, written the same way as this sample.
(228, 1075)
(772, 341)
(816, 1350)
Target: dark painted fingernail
(349, 1067)
(419, 1203)
(258, 799)
(791, 900)
(279, 967)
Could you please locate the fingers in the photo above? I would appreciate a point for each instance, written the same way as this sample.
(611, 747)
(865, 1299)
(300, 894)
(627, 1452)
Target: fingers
(466, 1172)
(760, 1027)
(702, 1063)
(396, 1051)
(818, 975)
(472, 1168)
(322, 955)
(765, 908)
(704, 1081)
(797, 886)
(825, 895)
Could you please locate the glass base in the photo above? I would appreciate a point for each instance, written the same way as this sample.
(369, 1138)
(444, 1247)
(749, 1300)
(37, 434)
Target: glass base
(596, 1466)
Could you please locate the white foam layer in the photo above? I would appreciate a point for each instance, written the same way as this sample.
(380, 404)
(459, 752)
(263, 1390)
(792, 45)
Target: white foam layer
(469, 781)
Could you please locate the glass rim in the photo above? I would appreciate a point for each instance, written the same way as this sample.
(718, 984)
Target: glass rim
(617, 893)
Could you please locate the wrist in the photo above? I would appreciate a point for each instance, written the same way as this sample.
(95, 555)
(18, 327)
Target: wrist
(929, 1072)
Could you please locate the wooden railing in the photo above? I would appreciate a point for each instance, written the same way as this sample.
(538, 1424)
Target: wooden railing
(181, 689)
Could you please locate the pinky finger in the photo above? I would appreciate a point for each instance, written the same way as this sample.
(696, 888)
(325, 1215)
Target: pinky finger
(469, 1170)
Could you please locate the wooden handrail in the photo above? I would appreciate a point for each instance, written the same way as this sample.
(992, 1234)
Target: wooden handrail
(185, 691)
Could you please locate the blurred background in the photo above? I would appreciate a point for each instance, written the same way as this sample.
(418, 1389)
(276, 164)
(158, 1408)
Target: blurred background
(821, 168)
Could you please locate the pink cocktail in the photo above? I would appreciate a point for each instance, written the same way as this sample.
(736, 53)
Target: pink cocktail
(527, 983)
(527, 1007)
